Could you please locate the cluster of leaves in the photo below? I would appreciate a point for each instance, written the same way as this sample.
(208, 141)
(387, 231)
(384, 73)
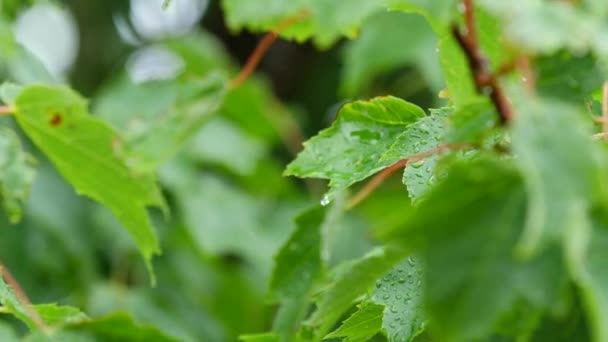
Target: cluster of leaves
(503, 236)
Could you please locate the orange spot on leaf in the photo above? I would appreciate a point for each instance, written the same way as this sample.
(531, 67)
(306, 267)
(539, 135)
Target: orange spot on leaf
(56, 120)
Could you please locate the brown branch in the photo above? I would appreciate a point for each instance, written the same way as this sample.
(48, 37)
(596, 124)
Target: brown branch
(23, 299)
(379, 178)
(6, 110)
(262, 47)
(469, 14)
(479, 65)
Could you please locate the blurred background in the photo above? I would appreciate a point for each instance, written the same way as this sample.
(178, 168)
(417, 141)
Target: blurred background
(231, 208)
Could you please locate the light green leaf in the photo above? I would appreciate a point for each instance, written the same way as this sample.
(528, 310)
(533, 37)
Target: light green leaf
(466, 231)
(400, 292)
(354, 280)
(17, 174)
(422, 136)
(51, 314)
(351, 149)
(361, 325)
(145, 149)
(82, 148)
(9, 92)
(327, 21)
(553, 143)
(7, 334)
(119, 327)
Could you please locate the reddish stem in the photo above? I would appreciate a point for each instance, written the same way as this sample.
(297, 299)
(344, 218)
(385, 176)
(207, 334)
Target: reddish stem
(23, 299)
(254, 60)
(6, 110)
(379, 178)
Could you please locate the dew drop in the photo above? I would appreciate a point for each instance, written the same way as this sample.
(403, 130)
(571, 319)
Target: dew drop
(398, 297)
(401, 280)
(325, 200)
(378, 284)
(393, 309)
(417, 165)
(411, 261)
(386, 296)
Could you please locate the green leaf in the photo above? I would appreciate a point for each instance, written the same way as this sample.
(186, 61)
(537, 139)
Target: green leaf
(466, 231)
(56, 315)
(382, 32)
(400, 292)
(82, 149)
(422, 136)
(361, 325)
(147, 148)
(119, 327)
(351, 149)
(17, 174)
(51, 314)
(9, 92)
(7, 334)
(354, 280)
(266, 337)
(327, 22)
(297, 265)
(593, 281)
(553, 142)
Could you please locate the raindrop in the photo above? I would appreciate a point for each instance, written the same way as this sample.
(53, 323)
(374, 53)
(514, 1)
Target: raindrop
(386, 296)
(417, 165)
(325, 200)
(378, 284)
(401, 280)
(393, 309)
(411, 261)
(398, 297)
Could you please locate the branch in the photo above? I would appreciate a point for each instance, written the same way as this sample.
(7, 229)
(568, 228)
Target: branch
(262, 47)
(6, 110)
(23, 299)
(379, 178)
(479, 64)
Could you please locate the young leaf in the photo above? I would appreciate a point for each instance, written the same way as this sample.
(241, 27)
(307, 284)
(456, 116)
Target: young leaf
(326, 22)
(16, 174)
(353, 281)
(362, 325)
(400, 292)
(82, 149)
(466, 232)
(351, 149)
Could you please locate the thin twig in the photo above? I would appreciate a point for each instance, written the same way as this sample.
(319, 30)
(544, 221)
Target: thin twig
(23, 299)
(379, 178)
(469, 13)
(262, 47)
(483, 77)
(6, 110)
(605, 108)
